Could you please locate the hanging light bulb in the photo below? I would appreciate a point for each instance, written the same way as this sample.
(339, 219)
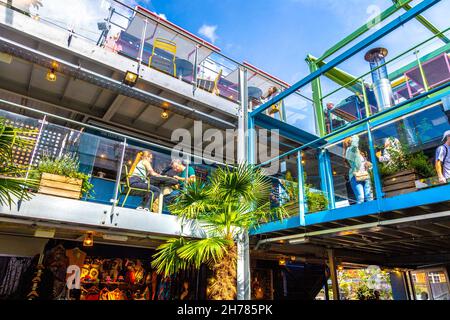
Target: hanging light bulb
(88, 240)
(51, 75)
(164, 114)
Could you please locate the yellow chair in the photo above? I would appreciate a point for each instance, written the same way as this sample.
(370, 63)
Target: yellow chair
(126, 189)
(216, 90)
(167, 46)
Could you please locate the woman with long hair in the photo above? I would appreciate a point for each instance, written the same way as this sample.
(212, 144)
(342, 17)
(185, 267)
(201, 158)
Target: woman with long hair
(141, 170)
(359, 170)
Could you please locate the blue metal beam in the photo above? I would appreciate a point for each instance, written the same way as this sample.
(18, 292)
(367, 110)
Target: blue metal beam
(398, 22)
(404, 201)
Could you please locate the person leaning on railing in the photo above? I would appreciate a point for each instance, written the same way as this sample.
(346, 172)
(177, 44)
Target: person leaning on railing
(443, 158)
(141, 170)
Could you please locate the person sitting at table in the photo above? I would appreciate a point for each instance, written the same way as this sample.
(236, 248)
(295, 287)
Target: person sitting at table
(183, 175)
(111, 43)
(276, 108)
(141, 170)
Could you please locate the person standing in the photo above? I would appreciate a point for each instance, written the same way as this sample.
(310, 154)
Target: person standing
(359, 170)
(443, 158)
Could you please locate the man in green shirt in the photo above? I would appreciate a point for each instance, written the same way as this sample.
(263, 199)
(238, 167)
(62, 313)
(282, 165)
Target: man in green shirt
(183, 174)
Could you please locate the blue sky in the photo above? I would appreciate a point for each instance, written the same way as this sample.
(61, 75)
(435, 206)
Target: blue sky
(276, 35)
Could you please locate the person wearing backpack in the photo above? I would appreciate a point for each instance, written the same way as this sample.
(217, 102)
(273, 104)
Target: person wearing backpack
(443, 158)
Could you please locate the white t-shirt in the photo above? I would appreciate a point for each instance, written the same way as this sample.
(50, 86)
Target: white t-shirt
(441, 153)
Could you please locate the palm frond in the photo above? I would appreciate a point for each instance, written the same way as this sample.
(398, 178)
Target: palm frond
(243, 182)
(204, 251)
(193, 201)
(167, 261)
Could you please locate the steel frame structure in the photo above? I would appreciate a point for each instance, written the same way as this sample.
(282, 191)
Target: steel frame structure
(319, 68)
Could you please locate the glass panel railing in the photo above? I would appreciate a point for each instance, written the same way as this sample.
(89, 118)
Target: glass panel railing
(88, 164)
(296, 109)
(74, 153)
(407, 149)
(218, 75)
(23, 155)
(352, 171)
(283, 174)
(314, 181)
(260, 86)
(421, 68)
(142, 186)
(135, 33)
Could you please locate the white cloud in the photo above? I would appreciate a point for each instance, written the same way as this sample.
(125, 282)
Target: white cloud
(209, 32)
(162, 16)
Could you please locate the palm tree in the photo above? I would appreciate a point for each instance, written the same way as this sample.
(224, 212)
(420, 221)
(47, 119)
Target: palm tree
(232, 202)
(13, 183)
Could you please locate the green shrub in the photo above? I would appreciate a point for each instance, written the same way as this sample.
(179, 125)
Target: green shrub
(403, 160)
(316, 201)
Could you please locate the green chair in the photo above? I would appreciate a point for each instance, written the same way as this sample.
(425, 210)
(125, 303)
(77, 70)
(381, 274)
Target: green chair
(126, 189)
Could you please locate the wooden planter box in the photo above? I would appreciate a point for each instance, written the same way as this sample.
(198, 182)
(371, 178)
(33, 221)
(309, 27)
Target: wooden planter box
(60, 186)
(400, 183)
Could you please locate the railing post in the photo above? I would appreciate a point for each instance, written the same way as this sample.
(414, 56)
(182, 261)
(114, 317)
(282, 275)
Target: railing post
(422, 72)
(373, 158)
(114, 201)
(142, 45)
(195, 80)
(36, 146)
(326, 177)
(251, 150)
(301, 189)
(366, 101)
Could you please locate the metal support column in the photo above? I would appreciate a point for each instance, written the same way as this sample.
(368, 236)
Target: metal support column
(333, 274)
(243, 263)
(243, 268)
(141, 46)
(243, 116)
(317, 98)
(373, 158)
(301, 190)
(326, 177)
(251, 132)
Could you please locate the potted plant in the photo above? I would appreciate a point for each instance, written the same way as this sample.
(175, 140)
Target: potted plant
(401, 174)
(59, 176)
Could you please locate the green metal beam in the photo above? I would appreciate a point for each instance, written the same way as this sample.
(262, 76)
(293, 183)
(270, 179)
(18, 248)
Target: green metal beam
(366, 27)
(427, 24)
(339, 76)
(317, 97)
